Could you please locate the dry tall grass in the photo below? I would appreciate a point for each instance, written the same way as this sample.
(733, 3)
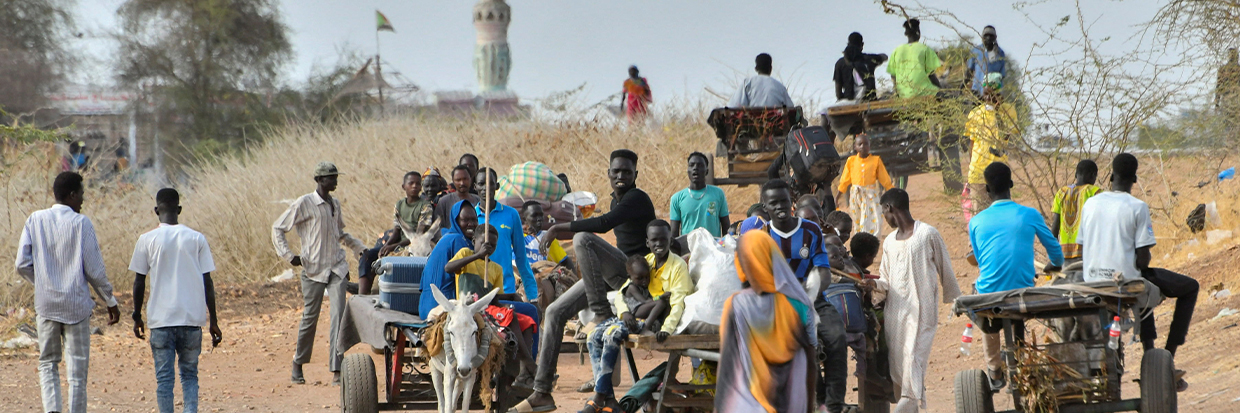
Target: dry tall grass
(235, 200)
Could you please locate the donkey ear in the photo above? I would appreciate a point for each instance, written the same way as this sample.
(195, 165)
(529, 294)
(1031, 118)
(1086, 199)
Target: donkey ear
(483, 302)
(443, 301)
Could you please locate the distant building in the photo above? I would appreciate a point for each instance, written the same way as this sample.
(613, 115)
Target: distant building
(102, 118)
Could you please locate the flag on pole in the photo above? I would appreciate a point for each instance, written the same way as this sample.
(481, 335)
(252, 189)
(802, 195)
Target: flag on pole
(382, 23)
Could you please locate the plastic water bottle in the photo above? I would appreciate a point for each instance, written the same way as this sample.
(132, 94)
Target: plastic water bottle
(966, 339)
(1227, 174)
(1113, 344)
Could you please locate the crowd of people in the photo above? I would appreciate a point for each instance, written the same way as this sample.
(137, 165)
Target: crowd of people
(771, 331)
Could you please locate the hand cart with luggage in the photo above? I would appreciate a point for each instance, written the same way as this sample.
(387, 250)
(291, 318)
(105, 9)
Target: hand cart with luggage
(760, 144)
(1078, 372)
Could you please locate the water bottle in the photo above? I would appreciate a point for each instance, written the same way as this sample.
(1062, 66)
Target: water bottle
(1227, 174)
(966, 339)
(1113, 344)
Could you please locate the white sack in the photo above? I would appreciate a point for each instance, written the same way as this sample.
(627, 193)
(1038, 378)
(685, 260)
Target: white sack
(713, 271)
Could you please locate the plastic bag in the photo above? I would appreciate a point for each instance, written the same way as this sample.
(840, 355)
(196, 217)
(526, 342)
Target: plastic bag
(713, 271)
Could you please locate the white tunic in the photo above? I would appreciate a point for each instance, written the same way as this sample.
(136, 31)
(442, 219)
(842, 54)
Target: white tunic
(910, 272)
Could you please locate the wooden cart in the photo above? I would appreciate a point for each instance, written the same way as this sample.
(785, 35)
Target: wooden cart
(674, 395)
(750, 139)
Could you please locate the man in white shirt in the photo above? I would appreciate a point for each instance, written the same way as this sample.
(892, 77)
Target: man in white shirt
(1116, 236)
(178, 261)
(59, 254)
(319, 223)
(761, 91)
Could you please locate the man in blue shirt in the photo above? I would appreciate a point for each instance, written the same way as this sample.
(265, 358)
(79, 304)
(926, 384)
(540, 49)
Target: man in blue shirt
(511, 244)
(985, 58)
(800, 241)
(1002, 240)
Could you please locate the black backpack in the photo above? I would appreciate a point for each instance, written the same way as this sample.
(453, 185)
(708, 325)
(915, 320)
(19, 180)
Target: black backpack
(810, 156)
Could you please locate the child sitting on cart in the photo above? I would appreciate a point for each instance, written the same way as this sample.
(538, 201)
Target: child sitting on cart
(476, 275)
(650, 302)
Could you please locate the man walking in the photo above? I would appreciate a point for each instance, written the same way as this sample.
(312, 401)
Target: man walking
(1002, 239)
(320, 225)
(915, 266)
(59, 254)
(600, 264)
(178, 261)
(1116, 237)
(700, 205)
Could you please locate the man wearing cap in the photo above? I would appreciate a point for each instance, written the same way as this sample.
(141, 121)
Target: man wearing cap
(985, 59)
(990, 126)
(319, 223)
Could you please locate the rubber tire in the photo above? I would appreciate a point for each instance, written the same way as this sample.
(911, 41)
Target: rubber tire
(358, 385)
(1158, 382)
(973, 395)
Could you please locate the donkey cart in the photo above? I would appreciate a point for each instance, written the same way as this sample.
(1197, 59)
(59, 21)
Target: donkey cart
(1079, 371)
(406, 373)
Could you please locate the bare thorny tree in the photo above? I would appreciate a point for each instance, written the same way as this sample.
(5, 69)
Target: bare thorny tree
(1091, 97)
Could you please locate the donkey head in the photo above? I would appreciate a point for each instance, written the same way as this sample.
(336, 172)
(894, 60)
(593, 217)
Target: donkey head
(460, 330)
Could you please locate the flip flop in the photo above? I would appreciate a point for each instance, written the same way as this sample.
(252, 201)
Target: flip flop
(525, 407)
(593, 408)
(585, 331)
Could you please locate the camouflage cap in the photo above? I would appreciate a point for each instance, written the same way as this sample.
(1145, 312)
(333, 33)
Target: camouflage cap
(325, 169)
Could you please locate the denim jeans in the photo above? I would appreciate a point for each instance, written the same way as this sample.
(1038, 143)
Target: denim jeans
(605, 343)
(182, 346)
(552, 333)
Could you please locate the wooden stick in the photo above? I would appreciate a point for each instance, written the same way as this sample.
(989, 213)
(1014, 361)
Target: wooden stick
(486, 219)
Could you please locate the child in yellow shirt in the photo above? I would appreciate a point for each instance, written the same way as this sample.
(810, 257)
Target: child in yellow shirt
(867, 177)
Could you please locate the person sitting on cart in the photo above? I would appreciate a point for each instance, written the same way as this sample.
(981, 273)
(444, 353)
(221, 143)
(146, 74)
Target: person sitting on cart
(800, 241)
(476, 275)
(854, 72)
(1066, 210)
(642, 311)
(761, 91)
(532, 218)
(912, 65)
(406, 216)
(1002, 240)
(1116, 237)
(700, 205)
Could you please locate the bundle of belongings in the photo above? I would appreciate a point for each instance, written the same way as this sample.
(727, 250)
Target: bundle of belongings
(713, 270)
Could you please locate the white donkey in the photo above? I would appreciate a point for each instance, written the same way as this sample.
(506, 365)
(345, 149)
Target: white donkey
(455, 369)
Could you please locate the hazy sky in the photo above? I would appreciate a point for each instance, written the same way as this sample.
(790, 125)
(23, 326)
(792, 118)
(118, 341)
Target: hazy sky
(681, 46)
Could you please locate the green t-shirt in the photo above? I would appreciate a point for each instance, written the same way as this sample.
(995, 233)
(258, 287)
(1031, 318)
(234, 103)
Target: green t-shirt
(699, 209)
(410, 214)
(1068, 203)
(912, 64)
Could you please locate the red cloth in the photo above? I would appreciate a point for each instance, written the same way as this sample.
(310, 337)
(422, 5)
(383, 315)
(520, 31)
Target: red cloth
(505, 315)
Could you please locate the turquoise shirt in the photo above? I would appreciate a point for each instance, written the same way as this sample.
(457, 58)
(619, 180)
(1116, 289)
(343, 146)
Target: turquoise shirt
(699, 209)
(1002, 238)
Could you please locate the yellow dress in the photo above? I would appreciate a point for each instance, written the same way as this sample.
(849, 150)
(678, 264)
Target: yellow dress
(867, 178)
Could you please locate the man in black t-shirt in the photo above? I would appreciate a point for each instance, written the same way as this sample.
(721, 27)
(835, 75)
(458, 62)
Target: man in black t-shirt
(601, 265)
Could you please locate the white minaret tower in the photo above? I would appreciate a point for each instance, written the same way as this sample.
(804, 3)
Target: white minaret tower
(492, 60)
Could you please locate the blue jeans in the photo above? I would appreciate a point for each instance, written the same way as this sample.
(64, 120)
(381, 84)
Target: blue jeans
(182, 345)
(605, 343)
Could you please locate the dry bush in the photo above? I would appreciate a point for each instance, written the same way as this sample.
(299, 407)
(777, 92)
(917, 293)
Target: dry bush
(234, 200)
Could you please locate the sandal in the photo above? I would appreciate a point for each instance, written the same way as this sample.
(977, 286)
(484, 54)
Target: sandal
(587, 387)
(525, 407)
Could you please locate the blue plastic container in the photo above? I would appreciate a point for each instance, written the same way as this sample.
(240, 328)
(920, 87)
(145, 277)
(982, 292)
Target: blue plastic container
(400, 280)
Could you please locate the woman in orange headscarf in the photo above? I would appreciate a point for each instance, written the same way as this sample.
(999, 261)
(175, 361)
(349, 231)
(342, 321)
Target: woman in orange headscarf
(766, 351)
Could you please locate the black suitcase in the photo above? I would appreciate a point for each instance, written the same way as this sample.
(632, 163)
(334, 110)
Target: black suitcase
(810, 156)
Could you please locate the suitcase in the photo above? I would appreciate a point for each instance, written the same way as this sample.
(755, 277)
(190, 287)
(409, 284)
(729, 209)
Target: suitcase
(400, 282)
(810, 155)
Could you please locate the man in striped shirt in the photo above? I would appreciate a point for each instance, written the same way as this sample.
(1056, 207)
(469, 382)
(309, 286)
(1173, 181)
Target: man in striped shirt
(59, 254)
(319, 223)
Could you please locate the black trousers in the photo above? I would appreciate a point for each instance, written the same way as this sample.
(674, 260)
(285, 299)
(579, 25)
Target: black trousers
(834, 345)
(1184, 290)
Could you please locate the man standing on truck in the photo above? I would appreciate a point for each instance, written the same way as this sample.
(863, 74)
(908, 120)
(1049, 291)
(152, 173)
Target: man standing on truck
(913, 64)
(985, 59)
(761, 91)
(854, 72)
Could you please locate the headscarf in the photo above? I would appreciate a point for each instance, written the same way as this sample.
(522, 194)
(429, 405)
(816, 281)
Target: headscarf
(766, 345)
(434, 275)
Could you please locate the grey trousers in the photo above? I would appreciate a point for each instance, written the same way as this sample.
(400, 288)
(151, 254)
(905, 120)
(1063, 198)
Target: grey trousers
(312, 292)
(57, 339)
(602, 268)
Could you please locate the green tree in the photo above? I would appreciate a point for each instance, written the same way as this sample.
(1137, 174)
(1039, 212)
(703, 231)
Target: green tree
(33, 58)
(210, 65)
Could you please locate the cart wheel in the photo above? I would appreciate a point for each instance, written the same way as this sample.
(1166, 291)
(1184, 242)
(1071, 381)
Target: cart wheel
(973, 393)
(1158, 382)
(358, 393)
